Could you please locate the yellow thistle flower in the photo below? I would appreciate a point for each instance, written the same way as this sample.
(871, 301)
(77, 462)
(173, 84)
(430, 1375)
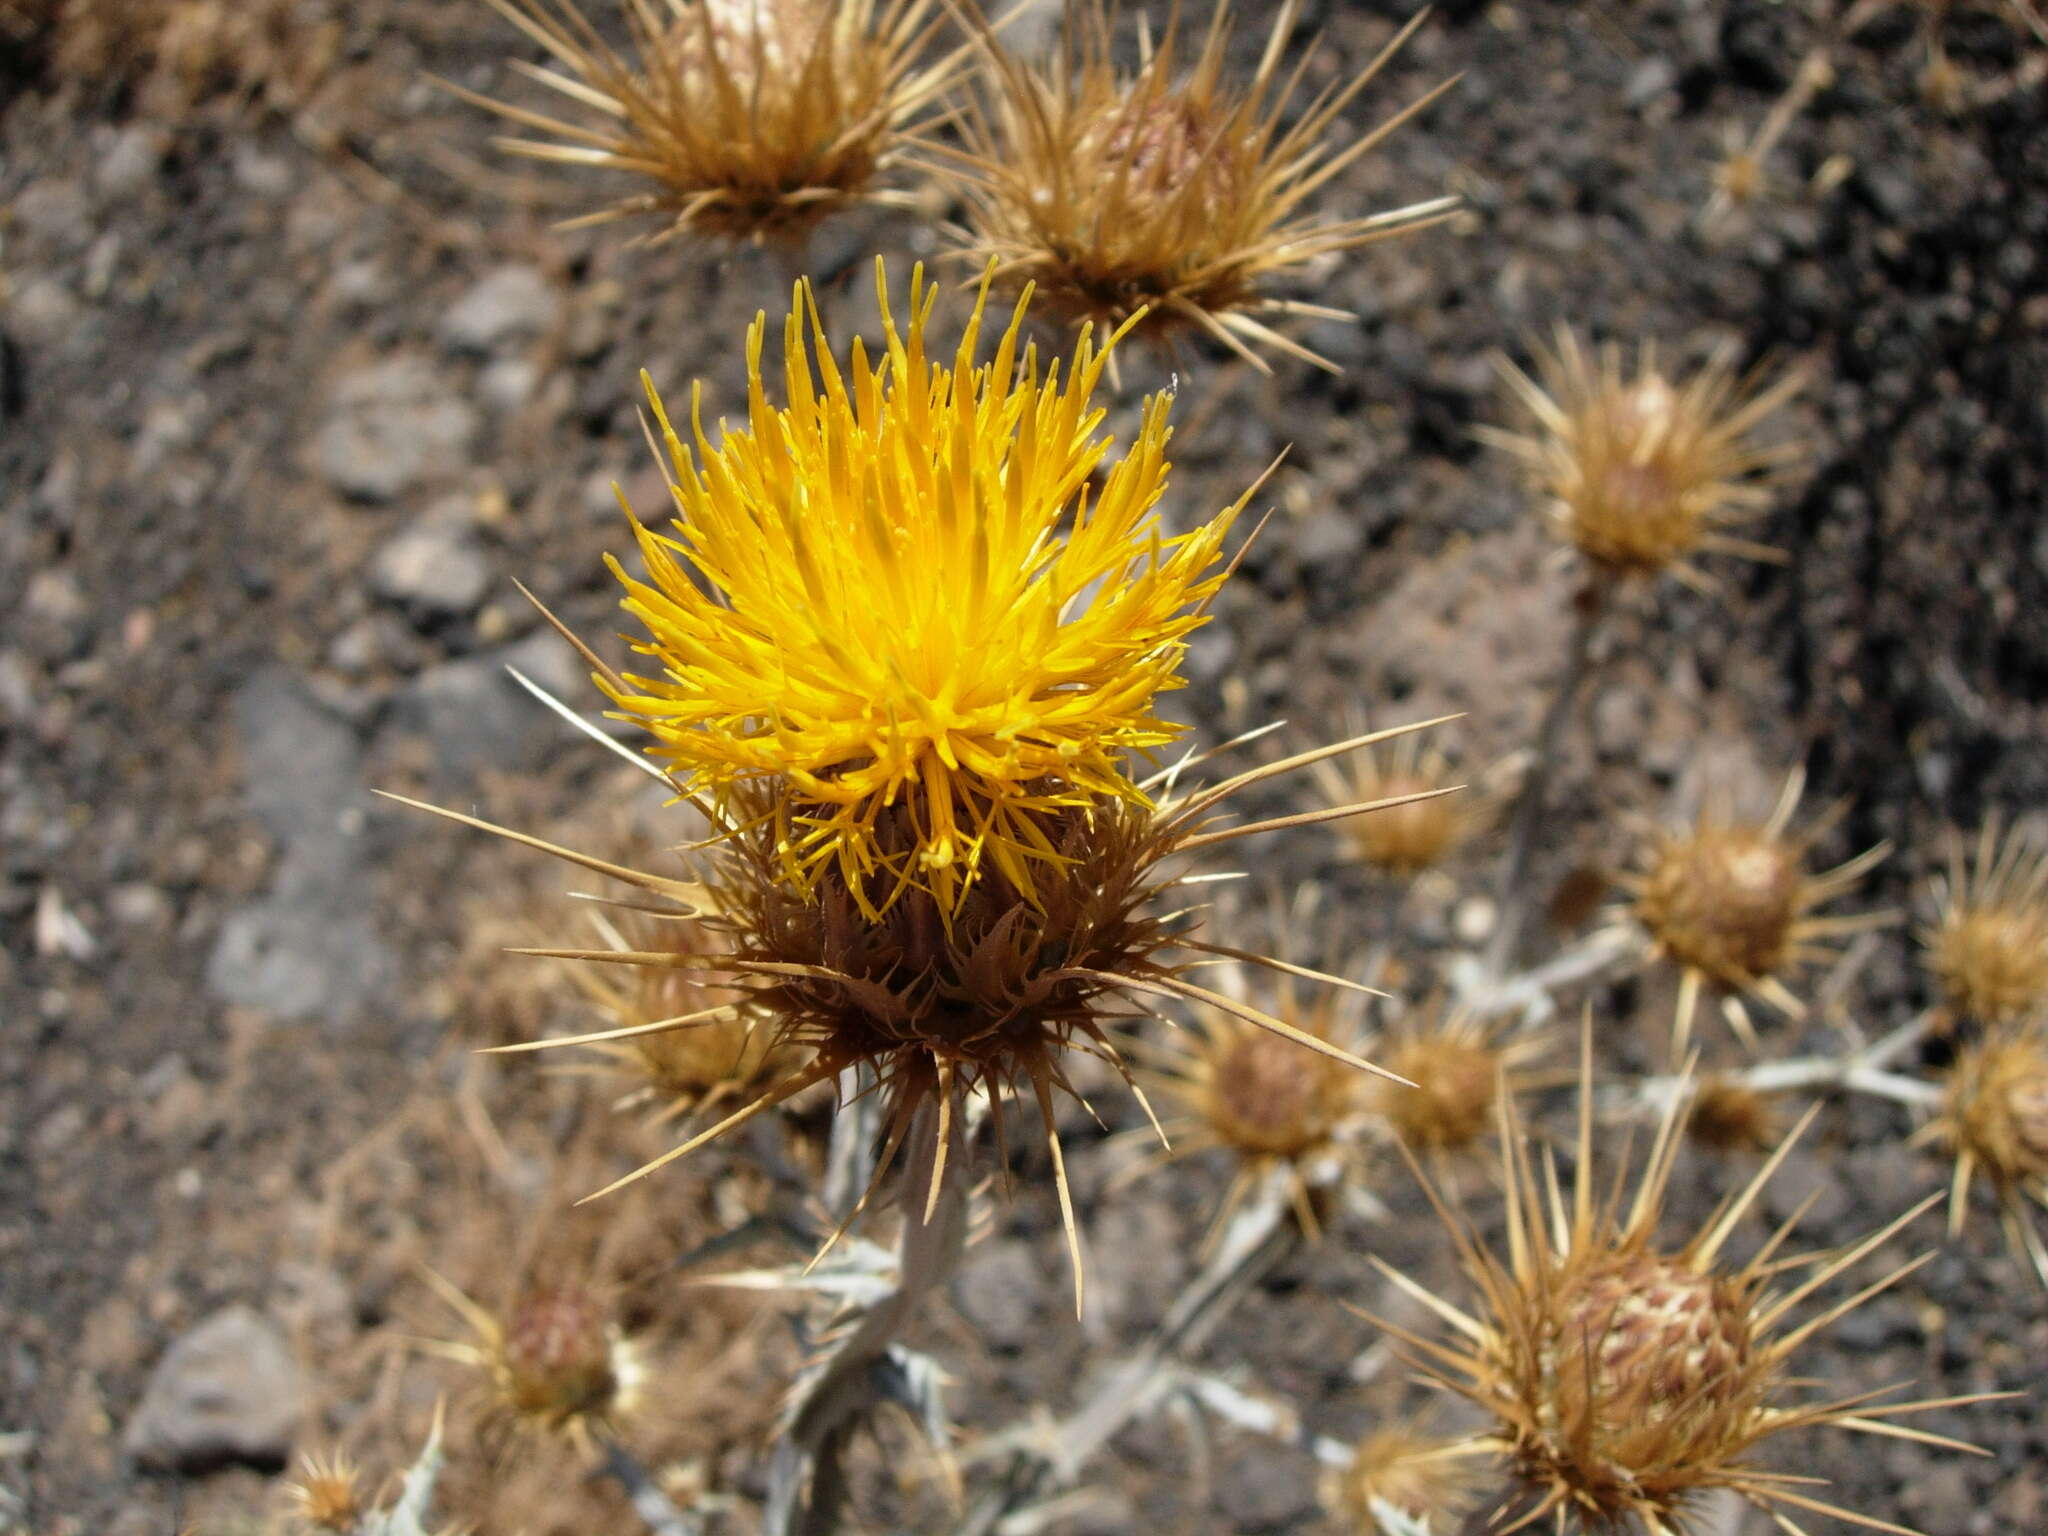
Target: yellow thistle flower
(326, 1494)
(1623, 1378)
(1177, 197)
(866, 601)
(907, 693)
(557, 1362)
(740, 118)
(1731, 902)
(1640, 472)
(1406, 839)
(1994, 1121)
(1988, 946)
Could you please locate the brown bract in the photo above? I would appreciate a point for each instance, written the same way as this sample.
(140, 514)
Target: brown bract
(1419, 1475)
(1624, 1378)
(1639, 471)
(737, 119)
(1429, 829)
(1458, 1064)
(1733, 904)
(1988, 945)
(1173, 190)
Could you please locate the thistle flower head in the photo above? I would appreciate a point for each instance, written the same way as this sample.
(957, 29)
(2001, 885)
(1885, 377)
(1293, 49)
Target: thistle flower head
(1988, 945)
(1727, 1115)
(326, 1495)
(1457, 1064)
(687, 1040)
(1994, 1121)
(555, 1362)
(897, 599)
(1226, 1084)
(1436, 818)
(904, 694)
(1623, 1377)
(1176, 194)
(1732, 903)
(1639, 471)
(1422, 1476)
(738, 119)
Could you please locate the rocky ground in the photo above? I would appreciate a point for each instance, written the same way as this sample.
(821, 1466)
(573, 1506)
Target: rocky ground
(295, 379)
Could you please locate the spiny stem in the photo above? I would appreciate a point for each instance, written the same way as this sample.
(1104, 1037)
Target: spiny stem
(806, 1487)
(1589, 608)
(654, 1507)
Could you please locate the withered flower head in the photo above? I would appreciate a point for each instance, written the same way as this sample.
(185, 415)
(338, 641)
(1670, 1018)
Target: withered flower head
(1625, 1378)
(1733, 904)
(1988, 946)
(739, 119)
(1428, 829)
(326, 1494)
(1727, 1115)
(556, 1362)
(1226, 1083)
(1994, 1121)
(687, 1041)
(906, 694)
(1457, 1064)
(1173, 191)
(1638, 471)
(1415, 1474)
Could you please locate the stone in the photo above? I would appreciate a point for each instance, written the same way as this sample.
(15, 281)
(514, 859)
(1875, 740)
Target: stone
(434, 570)
(128, 163)
(227, 1392)
(392, 426)
(474, 715)
(512, 301)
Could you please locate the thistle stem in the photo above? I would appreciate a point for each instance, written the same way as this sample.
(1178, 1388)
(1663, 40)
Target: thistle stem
(655, 1509)
(805, 1482)
(1589, 609)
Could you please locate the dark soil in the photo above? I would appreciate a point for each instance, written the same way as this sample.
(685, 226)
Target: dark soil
(238, 994)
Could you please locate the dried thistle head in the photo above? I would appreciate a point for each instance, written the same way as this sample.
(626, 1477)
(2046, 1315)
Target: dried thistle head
(737, 119)
(1422, 1476)
(906, 694)
(555, 1361)
(1457, 1064)
(1640, 471)
(1173, 192)
(1727, 1115)
(1994, 1121)
(1224, 1083)
(686, 1040)
(1624, 1378)
(326, 1495)
(1733, 904)
(1988, 945)
(1439, 816)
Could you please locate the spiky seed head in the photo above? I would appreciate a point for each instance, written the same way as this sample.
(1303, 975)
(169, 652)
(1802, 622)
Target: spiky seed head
(1723, 901)
(1727, 1115)
(736, 119)
(557, 1361)
(1172, 192)
(1420, 1475)
(1733, 903)
(1403, 840)
(1988, 946)
(326, 1495)
(866, 602)
(1267, 1095)
(1456, 1063)
(1996, 1107)
(1625, 1378)
(1641, 471)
